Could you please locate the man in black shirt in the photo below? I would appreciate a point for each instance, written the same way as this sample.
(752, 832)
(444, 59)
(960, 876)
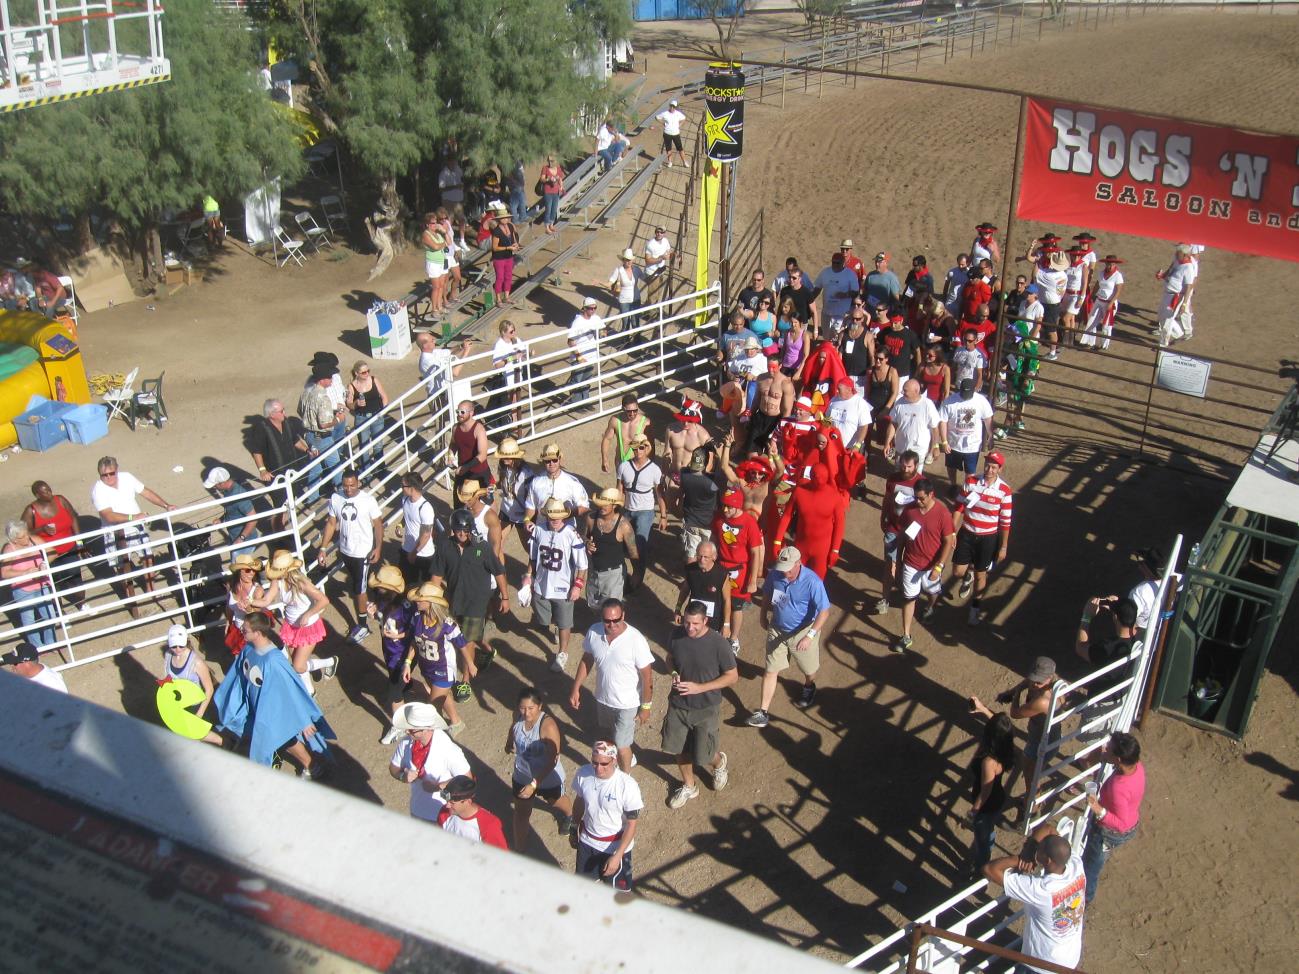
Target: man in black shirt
(903, 348)
(747, 304)
(703, 665)
(706, 583)
(465, 567)
(276, 442)
(804, 298)
(699, 492)
(1100, 653)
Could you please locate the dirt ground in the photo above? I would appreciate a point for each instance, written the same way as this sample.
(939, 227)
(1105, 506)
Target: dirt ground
(831, 812)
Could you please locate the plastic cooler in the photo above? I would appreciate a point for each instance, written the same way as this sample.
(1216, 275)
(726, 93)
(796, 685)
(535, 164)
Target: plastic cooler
(42, 427)
(87, 423)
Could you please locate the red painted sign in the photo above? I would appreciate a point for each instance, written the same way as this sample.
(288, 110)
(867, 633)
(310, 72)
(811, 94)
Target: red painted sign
(1158, 177)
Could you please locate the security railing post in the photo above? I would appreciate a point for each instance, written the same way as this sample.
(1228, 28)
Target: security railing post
(291, 505)
(180, 573)
(405, 434)
(60, 616)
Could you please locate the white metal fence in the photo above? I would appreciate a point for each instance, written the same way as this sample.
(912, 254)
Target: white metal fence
(650, 351)
(973, 913)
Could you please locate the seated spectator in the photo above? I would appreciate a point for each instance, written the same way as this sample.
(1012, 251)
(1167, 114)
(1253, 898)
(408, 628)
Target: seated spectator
(50, 294)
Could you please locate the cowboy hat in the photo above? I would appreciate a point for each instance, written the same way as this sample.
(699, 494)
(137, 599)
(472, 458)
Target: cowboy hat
(244, 560)
(281, 563)
(470, 490)
(554, 508)
(388, 578)
(510, 450)
(609, 497)
(428, 592)
(418, 716)
(551, 451)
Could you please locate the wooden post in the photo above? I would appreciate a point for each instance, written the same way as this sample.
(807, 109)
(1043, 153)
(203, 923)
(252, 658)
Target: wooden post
(1007, 247)
(784, 74)
(1041, 16)
(820, 79)
(973, 24)
(996, 32)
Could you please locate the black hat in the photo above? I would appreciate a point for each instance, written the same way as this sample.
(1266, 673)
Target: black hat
(1152, 558)
(966, 388)
(321, 371)
(324, 358)
(24, 653)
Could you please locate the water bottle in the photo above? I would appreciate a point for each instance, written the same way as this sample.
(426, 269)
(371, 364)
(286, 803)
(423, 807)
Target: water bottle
(1193, 558)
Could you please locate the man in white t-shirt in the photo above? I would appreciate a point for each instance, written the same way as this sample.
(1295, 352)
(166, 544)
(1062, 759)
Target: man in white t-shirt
(114, 498)
(624, 682)
(1054, 898)
(419, 529)
(26, 662)
(964, 429)
(583, 339)
(836, 285)
(1179, 285)
(426, 758)
(913, 423)
(557, 565)
(354, 516)
(606, 805)
(851, 415)
(610, 145)
(558, 483)
(672, 121)
(658, 251)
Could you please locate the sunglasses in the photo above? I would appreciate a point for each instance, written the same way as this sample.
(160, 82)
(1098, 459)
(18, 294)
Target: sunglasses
(555, 460)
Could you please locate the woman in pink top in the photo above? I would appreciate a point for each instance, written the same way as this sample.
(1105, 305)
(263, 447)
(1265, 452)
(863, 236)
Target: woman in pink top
(1116, 811)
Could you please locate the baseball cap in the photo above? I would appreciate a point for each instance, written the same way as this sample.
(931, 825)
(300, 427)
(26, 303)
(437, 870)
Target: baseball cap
(788, 558)
(881, 256)
(966, 388)
(24, 652)
(673, 102)
(177, 635)
(589, 303)
(217, 475)
(1032, 289)
(997, 458)
(733, 498)
(1042, 670)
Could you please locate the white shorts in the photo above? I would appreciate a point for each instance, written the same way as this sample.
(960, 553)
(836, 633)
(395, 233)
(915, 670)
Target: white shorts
(1070, 304)
(433, 270)
(917, 580)
(452, 263)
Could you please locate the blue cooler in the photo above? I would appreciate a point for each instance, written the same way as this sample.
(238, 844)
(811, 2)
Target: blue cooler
(42, 428)
(87, 423)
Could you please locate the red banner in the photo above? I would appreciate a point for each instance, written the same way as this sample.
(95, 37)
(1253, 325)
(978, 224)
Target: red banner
(1156, 177)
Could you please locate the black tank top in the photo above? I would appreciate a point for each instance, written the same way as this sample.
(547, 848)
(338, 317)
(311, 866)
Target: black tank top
(609, 551)
(996, 797)
(877, 391)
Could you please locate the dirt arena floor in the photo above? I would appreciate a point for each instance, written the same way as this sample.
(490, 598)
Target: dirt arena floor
(831, 812)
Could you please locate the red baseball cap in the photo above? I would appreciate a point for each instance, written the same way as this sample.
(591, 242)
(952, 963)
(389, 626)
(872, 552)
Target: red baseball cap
(997, 458)
(733, 498)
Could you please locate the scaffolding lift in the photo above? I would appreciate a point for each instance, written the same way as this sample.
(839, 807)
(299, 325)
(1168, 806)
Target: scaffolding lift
(52, 51)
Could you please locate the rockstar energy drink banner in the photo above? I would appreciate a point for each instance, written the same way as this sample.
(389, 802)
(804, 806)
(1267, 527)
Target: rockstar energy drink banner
(710, 184)
(724, 111)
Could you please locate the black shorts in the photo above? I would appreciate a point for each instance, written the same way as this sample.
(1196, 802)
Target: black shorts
(671, 142)
(358, 574)
(547, 795)
(979, 550)
(1050, 314)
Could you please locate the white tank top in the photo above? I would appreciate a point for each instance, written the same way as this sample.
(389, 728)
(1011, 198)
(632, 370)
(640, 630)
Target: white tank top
(530, 755)
(295, 605)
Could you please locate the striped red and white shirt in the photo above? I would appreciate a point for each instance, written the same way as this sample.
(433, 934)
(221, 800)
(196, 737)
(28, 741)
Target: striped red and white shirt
(985, 507)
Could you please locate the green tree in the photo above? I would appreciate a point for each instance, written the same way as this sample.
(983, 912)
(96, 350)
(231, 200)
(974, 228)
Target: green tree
(137, 152)
(393, 79)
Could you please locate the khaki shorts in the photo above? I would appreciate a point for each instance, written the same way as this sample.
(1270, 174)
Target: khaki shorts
(698, 728)
(781, 646)
(692, 538)
(473, 628)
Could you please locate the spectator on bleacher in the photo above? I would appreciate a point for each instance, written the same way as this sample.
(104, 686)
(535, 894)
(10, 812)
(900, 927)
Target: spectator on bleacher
(505, 244)
(515, 182)
(610, 145)
(434, 241)
(50, 294)
(451, 185)
(552, 188)
(625, 285)
(658, 255)
(672, 120)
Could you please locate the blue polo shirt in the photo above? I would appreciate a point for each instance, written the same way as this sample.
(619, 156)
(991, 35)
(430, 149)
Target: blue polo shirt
(795, 604)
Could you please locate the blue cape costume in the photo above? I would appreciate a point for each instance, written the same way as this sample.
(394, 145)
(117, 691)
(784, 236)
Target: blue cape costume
(264, 702)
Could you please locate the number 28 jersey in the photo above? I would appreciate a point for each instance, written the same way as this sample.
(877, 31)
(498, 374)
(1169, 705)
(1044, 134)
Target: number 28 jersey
(556, 556)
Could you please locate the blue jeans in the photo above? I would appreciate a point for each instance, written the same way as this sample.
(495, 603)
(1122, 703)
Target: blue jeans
(518, 205)
(322, 442)
(552, 209)
(248, 544)
(985, 831)
(633, 321)
(611, 155)
(642, 522)
(579, 375)
(35, 607)
(366, 436)
(1100, 843)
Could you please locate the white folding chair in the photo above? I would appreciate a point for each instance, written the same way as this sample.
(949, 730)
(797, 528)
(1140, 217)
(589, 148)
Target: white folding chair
(316, 235)
(335, 212)
(119, 399)
(292, 249)
(71, 300)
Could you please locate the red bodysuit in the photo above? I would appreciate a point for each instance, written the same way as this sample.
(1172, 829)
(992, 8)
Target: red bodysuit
(818, 532)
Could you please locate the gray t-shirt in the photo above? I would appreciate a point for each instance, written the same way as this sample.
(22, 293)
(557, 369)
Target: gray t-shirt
(699, 660)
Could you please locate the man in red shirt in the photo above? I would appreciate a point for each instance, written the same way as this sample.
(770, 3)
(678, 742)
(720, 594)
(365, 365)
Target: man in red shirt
(982, 520)
(464, 817)
(977, 290)
(852, 261)
(739, 550)
(983, 324)
(898, 495)
(928, 537)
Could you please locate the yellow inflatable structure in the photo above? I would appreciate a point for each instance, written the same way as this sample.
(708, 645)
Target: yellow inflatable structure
(38, 357)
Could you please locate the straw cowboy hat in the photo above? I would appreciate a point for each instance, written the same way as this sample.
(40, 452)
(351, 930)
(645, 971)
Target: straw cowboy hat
(388, 578)
(609, 497)
(245, 560)
(281, 563)
(551, 451)
(428, 592)
(555, 508)
(510, 450)
(418, 716)
(470, 490)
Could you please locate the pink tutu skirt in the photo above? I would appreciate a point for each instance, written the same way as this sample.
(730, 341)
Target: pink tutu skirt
(295, 637)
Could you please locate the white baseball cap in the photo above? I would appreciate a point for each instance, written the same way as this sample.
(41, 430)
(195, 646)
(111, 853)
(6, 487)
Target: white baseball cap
(217, 475)
(177, 635)
(589, 303)
(673, 103)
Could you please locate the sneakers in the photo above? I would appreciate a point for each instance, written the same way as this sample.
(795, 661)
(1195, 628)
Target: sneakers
(456, 728)
(461, 692)
(881, 607)
(318, 771)
(559, 662)
(1052, 355)
(975, 616)
(967, 585)
(758, 718)
(358, 633)
(329, 669)
(1001, 433)
(683, 795)
(901, 644)
(392, 736)
(808, 696)
(1020, 426)
(484, 656)
(566, 825)
(735, 646)
(927, 612)
(720, 775)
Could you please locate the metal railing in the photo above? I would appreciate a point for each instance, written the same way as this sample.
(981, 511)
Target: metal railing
(650, 350)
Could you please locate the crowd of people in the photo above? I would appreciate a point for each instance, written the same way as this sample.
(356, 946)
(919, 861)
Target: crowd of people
(823, 384)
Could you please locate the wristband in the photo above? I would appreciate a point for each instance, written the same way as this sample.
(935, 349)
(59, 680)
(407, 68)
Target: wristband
(647, 705)
(262, 470)
(579, 583)
(938, 567)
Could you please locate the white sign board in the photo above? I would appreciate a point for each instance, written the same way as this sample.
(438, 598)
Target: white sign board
(1184, 374)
